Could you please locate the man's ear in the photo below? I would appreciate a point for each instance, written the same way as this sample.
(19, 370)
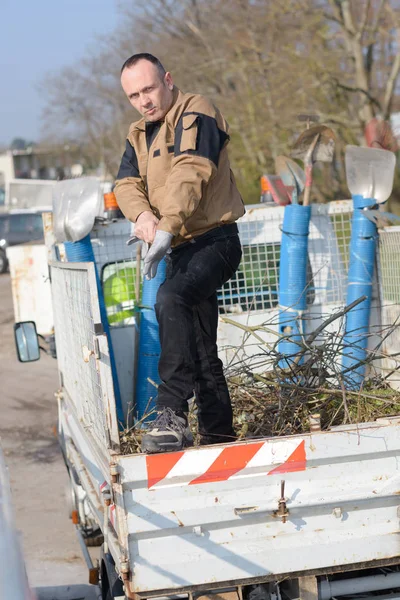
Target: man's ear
(168, 81)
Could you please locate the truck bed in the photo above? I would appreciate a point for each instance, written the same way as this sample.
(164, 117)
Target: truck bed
(211, 517)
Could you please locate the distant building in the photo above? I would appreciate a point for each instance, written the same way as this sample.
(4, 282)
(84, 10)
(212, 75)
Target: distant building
(34, 164)
(38, 163)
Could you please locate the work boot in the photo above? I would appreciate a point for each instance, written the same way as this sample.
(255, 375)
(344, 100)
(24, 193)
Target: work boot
(169, 433)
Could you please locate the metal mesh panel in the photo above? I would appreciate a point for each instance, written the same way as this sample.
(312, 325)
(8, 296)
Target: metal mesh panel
(73, 292)
(255, 284)
(254, 287)
(389, 279)
(116, 263)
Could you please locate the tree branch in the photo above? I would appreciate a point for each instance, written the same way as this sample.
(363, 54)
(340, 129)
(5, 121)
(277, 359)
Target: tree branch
(359, 90)
(391, 82)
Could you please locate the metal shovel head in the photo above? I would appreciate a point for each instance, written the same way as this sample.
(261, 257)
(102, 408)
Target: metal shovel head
(370, 172)
(291, 174)
(324, 147)
(279, 193)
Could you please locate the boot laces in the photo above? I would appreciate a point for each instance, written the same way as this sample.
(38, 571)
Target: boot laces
(167, 420)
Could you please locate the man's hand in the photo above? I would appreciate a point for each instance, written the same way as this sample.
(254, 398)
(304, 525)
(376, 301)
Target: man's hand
(146, 226)
(158, 249)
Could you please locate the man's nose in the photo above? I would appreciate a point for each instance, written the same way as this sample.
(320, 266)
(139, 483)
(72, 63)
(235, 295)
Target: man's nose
(145, 100)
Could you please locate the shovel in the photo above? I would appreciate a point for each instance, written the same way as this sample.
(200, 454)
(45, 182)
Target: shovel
(370, 174)
(280, 194)
(292, 176)
(313, 145)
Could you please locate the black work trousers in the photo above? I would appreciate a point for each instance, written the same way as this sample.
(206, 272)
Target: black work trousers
(187, 313)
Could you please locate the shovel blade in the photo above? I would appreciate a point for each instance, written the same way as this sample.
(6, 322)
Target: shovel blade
(324, 147)
(291, 174)
(280, 194)
(370, 172)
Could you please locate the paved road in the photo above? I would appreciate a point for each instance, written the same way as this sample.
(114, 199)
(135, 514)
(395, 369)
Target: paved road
(38, 477)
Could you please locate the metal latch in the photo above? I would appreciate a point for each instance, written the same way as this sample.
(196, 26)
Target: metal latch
(282, 508)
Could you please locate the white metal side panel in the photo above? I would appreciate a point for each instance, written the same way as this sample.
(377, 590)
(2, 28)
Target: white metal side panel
(96, 472)
(209, 515)
(31, 286)
(82, 351)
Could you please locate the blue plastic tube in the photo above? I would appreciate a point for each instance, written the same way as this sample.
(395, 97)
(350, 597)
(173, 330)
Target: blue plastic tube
(82, 251)
(292, 280)
(360, 280)
(149, 346)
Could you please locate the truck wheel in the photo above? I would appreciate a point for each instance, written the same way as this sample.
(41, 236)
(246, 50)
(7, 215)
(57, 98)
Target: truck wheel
(3, 262)
(111, 586)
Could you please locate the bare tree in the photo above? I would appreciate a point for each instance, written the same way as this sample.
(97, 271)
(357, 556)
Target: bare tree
(260, 61)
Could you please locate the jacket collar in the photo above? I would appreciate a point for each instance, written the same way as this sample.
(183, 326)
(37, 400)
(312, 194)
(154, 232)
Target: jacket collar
(141, 124)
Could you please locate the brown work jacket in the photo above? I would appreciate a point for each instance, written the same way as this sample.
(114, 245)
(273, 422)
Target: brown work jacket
(182, 173)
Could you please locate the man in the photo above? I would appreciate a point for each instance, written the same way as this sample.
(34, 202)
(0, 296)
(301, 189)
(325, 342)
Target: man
(176, 185)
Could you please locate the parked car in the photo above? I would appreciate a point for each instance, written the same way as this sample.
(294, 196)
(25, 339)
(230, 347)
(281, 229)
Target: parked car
(18, 228)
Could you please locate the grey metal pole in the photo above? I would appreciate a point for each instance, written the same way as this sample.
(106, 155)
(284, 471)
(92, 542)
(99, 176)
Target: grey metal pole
(358, 585)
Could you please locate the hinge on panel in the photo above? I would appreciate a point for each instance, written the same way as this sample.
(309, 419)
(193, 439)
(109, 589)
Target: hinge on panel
(114, 472)
(98, 328)
(96, 348)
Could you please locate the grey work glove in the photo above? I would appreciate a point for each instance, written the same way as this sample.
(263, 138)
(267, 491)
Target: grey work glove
(134, 240)
(158, 249)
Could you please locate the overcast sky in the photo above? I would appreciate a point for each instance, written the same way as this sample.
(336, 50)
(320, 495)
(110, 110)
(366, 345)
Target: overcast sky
(38, 36)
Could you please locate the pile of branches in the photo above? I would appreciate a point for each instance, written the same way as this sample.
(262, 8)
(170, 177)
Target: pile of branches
(275, 396)
(263, 407)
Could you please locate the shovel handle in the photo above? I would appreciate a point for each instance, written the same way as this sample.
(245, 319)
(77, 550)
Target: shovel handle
(308, 163)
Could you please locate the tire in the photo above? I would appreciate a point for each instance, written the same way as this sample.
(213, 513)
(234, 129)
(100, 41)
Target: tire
(3, 262)
(111, 585)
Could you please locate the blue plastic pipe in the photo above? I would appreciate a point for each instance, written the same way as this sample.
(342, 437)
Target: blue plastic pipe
(293, 279)
(360, 279)
(82, 251)
(149, 346)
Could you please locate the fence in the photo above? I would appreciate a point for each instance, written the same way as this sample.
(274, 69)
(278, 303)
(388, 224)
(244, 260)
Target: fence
(254, 287)
(389, 279)
(82, 350)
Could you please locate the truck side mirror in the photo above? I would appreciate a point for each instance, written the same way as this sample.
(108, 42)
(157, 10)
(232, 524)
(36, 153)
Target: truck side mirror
(26, 341)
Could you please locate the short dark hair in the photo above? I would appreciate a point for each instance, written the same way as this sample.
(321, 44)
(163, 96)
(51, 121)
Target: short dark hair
(132, 60)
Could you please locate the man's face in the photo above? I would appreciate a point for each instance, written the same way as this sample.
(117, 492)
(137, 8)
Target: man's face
(147, 91)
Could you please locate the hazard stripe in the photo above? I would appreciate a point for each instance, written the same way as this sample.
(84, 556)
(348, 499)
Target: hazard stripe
(191, 466)
(214, 464)
(159, 465)
(296, 461)
(231, 460)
